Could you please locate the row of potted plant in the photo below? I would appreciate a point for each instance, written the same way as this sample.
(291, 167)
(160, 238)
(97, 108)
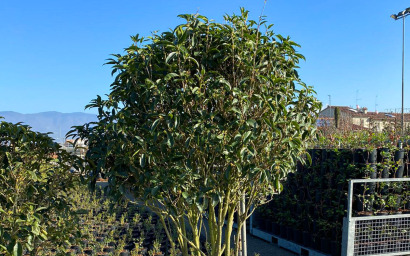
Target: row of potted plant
(113, 228)
(311, 207)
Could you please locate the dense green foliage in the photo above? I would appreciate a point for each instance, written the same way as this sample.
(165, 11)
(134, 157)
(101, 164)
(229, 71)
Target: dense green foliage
(368, 139)
(200, 116)
(314, 199)
(34, 182)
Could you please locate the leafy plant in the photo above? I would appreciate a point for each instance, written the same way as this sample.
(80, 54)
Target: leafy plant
(200, 118)
(138, 247)
(156, 248)
(35, 181)
(120, 246)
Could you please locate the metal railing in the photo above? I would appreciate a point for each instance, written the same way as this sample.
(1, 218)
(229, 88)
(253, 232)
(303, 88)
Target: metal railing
(375, 235)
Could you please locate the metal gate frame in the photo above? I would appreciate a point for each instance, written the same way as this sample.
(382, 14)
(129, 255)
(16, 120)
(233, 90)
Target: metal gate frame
(350, 224)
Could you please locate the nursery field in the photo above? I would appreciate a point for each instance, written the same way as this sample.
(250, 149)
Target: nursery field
(112, 228)
(313, 204)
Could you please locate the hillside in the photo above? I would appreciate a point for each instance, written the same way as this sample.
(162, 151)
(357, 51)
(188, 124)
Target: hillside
(57, 123)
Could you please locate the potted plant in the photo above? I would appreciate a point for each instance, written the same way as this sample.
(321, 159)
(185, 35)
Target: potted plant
(381, 205)
(138, 248)
(393, 203)
(156, 249)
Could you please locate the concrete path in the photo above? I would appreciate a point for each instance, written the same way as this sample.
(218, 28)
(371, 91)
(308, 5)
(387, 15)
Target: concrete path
(257, 246)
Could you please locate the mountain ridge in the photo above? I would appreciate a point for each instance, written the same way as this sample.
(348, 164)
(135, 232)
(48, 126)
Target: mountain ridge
(57, 123)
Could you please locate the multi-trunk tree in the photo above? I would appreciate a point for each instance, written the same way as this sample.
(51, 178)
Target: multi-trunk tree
(199, 117)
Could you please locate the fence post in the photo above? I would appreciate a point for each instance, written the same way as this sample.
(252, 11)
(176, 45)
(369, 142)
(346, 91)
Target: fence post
(348, 237)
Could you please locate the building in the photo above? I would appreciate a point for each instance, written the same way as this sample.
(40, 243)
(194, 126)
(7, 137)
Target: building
(348, 118)
(79, 150)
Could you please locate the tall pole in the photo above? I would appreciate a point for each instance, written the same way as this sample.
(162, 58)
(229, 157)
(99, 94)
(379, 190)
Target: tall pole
(402, 15)
(402, 83)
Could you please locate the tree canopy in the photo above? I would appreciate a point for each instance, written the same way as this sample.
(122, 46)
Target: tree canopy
(199, 116)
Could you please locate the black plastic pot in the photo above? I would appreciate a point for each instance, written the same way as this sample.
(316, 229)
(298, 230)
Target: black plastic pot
(257, 220)
(325, 245)
(282, 231)
(76, 248)
(383, 154)
(400, 170)
(335, 248)
(316, 243)
(71, 252)
(372, 175)
(372, 156)
(88, 251)
(275, 228)
(306, 239)
(315, 227)
(297, 236)
(398, 155)
(289, 233)
(108, 249)
(267, 226)
(360, 156)
(323, 162)
(125, 253)
(313, 155)
(385, 173)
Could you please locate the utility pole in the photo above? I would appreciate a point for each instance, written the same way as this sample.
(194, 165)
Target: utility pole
(402, 15)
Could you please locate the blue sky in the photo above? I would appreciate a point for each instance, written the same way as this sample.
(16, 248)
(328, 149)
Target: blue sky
(52, 52)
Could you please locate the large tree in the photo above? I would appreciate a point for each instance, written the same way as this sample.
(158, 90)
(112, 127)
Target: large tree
(200, 116)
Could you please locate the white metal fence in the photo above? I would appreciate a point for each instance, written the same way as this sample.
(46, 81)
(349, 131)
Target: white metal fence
(375, 235)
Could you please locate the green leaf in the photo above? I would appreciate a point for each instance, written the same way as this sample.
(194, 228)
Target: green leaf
(17, 249)
(41, 208)
(170, 76)
(246, 136)
(228, 172)
(243, 152)
(170, 57)
(187, 142)
(216, 198)
(234, 109)
(252, 123)
(309, 158)
(170, 140)
(142, 160)
(155, 124)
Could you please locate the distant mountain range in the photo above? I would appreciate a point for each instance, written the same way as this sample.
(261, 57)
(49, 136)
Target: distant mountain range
(57, 123)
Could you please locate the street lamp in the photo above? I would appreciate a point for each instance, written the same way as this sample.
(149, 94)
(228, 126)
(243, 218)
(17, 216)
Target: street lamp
(402, 15)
